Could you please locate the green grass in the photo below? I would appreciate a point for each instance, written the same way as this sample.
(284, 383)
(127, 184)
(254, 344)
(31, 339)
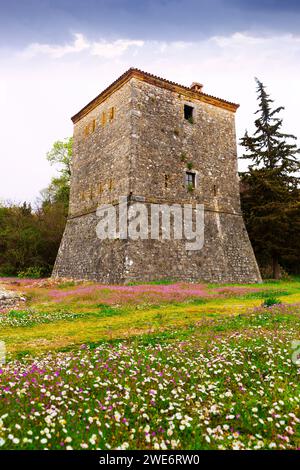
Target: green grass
(77, 318)
(210, 372)
(226, 383)
(265, 294)
(67, 284)
(156, 282)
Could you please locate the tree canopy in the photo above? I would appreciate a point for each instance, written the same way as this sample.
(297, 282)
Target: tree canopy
(270, 186)
(29, 239)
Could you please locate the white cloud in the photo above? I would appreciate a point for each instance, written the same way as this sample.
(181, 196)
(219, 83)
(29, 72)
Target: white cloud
(113, 49)
(43, 85)
(57, 51)
(238, 40)
(80, 43)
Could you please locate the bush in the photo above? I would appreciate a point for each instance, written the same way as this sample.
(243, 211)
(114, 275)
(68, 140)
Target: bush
(33, 272)
(270, 301)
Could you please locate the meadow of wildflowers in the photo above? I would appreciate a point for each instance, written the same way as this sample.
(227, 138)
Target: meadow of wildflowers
(123, 294)
(231, 384)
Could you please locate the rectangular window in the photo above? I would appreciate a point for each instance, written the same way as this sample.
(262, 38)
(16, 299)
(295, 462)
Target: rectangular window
(190, 179)
(188, 112)
(166, 181)
(103, 118)
(111, 113)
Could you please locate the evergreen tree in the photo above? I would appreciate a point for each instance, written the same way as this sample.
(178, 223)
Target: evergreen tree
(270, 186)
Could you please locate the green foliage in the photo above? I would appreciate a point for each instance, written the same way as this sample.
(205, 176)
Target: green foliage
(265, 294)
(67, 284)
(156, 282)
(19, 314)
(270, 301)
(269, 192)
(189, 165)
(190, 187)
(61, 155)
(59, 189)
(108, 310)
(29, 239)
(33, 272)
(159, 282)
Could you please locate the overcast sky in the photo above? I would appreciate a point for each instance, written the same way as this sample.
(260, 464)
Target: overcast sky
(55, 56)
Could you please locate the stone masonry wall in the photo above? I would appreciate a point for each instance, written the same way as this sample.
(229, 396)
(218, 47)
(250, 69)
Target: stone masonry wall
(100, 174)
(101, 154)
(164, 146)
(143, 152)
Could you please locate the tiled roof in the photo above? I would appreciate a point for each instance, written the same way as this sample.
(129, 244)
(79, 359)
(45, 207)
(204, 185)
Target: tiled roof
(157, 81)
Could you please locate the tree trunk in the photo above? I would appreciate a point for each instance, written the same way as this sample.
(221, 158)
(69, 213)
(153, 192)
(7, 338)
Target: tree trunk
(276, 268)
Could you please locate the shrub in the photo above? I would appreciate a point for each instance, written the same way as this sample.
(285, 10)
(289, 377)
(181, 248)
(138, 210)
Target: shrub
(33, 272)
(66, 284)
(270, 301)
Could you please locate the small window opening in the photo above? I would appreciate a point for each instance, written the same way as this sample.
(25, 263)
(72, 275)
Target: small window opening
(111, 113)
(166, 181)
(190, 179)
(188, 112)
(215, 190)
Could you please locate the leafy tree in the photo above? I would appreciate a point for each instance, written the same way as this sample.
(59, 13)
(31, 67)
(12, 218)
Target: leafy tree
(270, 186)
(29, 239)
(61, 154)
(19, 237)
(59, 189)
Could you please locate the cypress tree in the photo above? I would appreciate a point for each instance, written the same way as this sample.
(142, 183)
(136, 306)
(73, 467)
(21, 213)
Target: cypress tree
(269, 188)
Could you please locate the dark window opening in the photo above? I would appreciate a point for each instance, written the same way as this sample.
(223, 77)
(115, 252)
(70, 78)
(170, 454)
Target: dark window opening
(190, 179)
(188, 112)
(215, 190)
(166, 181)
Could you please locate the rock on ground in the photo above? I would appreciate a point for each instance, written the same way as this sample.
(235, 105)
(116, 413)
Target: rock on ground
(9, 299)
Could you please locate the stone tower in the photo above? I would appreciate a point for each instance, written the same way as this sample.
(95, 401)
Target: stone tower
(155, 141)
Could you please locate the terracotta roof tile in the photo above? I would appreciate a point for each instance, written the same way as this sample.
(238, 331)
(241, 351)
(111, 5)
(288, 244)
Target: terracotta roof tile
(158, 81)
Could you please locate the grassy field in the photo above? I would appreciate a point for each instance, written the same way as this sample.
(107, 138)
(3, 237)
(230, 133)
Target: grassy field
(155, 366)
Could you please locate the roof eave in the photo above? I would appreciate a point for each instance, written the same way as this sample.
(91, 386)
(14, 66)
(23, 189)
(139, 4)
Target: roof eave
(157, 81)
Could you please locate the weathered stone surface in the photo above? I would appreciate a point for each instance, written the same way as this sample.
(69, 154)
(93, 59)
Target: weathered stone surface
(142, 151)
(9, 299)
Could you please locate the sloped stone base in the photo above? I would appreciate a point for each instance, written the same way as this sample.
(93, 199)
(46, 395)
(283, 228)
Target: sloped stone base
(226, 256)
